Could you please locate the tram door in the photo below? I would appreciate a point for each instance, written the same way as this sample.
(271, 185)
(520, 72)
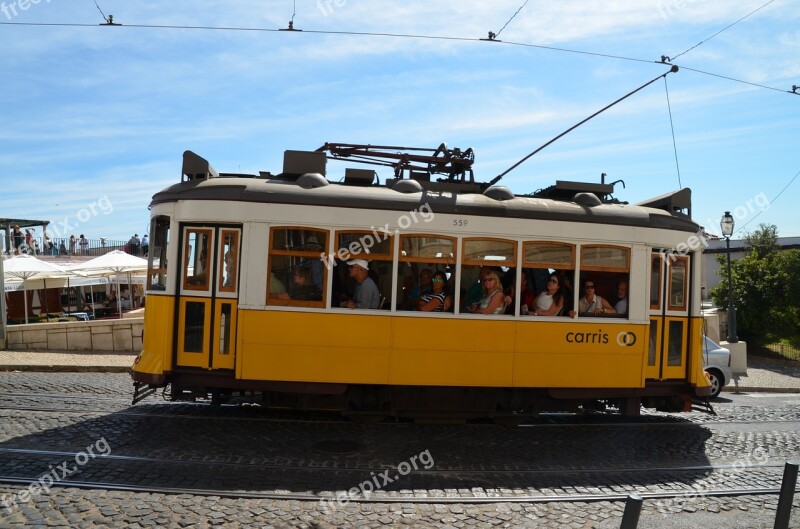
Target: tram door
(209, 292)
(669, 316)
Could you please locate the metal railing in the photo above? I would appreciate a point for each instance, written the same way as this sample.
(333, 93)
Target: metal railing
(66, 247)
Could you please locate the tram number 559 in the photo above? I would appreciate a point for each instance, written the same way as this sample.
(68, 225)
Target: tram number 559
(460, 223)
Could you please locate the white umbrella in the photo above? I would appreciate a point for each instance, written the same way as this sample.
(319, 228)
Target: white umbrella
(112, 264)
(27, 267)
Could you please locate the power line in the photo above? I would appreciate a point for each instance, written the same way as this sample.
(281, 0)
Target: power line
(101, 11)
(770, 202)
(735, 80)
(672, 127)
(510, 19)
(665, 59)
(723, 29)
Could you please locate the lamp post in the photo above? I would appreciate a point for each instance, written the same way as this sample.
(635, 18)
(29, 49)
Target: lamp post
(726, 225)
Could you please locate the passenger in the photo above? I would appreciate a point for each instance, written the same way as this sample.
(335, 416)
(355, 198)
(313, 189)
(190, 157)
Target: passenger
(565, 281)
(622, 298)
(551, 301)
(317, 266)
(304, 287)
(475, 292)
(424, 287)
(492, 301)
(366, 295)
(200, 277)
(591, 304)
(277, 290)
(435, 300)
(527, 298)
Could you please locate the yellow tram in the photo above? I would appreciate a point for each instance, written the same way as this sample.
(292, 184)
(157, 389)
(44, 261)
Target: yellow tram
(248, 289)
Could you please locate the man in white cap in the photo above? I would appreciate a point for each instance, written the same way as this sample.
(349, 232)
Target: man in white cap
(366, 295)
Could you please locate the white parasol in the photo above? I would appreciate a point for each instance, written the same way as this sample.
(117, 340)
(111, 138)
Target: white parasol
(26, 268)
(112, 264)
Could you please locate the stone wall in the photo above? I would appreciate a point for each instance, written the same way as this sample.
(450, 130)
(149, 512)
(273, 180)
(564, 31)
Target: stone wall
(123, 335)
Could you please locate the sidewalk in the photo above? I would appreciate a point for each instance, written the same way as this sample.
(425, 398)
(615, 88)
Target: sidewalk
(767, 375)
(66, 361)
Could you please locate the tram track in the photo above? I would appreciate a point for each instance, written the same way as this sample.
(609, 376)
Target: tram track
(544, 421)
(386, 498)
(366, 469)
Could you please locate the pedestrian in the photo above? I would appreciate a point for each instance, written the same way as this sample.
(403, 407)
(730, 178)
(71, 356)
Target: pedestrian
(84, 244)
(72, 241)
(133, 244)
(19, 240)
(145, 245)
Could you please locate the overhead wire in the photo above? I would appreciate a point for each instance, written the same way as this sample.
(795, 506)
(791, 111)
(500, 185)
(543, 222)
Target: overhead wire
(672, 128)
(101, 11)
(390, 35)
(723, 29)
(510, 19)
(770, 203)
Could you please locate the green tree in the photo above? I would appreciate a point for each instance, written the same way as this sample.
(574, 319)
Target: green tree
(766, 286)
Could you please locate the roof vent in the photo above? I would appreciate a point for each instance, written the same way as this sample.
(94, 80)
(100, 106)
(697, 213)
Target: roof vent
(588, 200)
(359, 177)
(301, 162)
(499, 193)
(407, 186)
(311, 180)
(196, 167)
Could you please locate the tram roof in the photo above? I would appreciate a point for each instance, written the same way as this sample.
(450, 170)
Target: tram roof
(281, 191)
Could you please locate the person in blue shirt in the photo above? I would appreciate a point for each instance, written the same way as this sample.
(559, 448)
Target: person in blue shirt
(366, 295)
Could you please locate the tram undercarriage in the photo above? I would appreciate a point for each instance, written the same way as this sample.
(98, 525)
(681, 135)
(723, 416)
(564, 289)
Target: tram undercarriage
(423, 402)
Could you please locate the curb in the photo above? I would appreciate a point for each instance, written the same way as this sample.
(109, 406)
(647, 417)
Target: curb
(65, 369)
(755, 389)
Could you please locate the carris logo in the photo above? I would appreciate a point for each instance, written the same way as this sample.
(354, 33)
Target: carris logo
(626, 339)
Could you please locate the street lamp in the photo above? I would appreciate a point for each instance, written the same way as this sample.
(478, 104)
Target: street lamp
(726, 225)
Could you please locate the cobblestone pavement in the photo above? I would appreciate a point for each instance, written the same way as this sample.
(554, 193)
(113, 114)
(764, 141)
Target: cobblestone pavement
(244, 448)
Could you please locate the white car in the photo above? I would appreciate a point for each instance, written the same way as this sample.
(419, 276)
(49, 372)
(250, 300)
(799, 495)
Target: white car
(717, 365)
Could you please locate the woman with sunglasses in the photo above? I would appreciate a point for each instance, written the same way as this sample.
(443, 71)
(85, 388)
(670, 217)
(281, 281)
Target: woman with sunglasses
(591, 304)
(434, 301)
(551, 301)
(492, 301)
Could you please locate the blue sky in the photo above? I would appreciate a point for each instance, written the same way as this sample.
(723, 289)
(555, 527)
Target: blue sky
(95, 119)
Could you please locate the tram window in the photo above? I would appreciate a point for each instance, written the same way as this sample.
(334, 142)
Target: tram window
(157, 254)
(297, 274)
(421, 256)
(675, 346)
(607, 268)
(540, 260)
(655, 282)
(374, 247)
(480, 257)
(196, 250)
(229, 260)
(678, 282)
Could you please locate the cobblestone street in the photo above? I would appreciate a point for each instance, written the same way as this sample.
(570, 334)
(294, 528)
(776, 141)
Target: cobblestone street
(187, 465)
